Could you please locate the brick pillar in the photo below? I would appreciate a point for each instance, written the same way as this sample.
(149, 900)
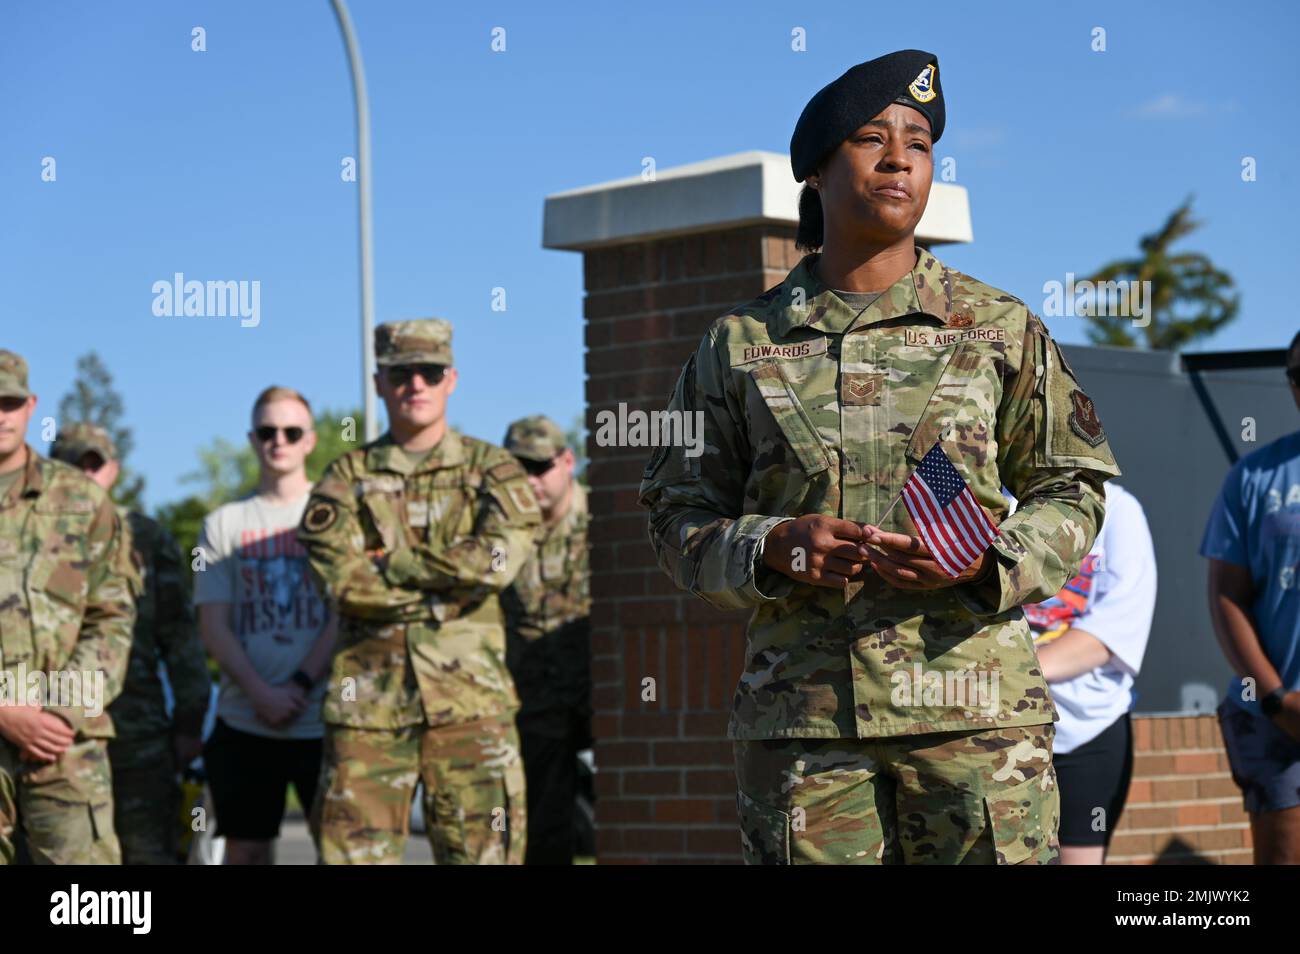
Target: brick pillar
(665, 782)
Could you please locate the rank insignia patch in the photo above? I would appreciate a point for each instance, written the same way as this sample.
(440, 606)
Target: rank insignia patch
(1083, 418)
(861, 390)
(320, 516)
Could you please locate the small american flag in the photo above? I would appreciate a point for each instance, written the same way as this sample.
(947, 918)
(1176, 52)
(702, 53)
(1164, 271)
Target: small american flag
(951, 521)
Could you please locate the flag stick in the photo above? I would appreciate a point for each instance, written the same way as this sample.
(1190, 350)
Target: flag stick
(897, 498)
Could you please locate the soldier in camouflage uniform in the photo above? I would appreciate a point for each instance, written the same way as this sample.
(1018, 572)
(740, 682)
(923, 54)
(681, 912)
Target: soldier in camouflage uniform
(66, 609)
(548, 640)
(413, 536)
(148, 750)
(887, 713)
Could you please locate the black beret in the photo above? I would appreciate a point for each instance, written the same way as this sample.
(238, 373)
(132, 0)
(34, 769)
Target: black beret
(910, 77)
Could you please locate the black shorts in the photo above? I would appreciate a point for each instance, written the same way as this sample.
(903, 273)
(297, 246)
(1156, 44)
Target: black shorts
(1095, 775)
(249, 776)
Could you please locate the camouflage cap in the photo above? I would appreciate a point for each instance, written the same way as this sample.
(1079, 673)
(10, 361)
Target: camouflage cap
(75, 441)
(13, 375)
(417, 341)
(535, 438)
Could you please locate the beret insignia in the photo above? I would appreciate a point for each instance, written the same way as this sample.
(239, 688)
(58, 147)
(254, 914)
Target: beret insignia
(922, 88)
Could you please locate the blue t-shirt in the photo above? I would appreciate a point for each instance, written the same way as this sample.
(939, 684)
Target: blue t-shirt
(1256, 524)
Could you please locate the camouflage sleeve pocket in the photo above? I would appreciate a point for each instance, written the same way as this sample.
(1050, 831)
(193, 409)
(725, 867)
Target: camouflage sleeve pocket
(1073, 435)
(1023, 820)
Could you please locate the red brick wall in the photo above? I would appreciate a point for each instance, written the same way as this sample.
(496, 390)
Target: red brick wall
(665, 780)
(1183, 806)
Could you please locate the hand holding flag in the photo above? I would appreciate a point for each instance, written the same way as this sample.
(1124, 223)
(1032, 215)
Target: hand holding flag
(954, 530)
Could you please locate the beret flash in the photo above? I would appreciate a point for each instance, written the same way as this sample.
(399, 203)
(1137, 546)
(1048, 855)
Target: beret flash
(838, 109)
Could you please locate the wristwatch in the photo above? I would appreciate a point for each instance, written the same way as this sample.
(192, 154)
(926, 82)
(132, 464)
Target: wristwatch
(1272, 703)
(300, 678)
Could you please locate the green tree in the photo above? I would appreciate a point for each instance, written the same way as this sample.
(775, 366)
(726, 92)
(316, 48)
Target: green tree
(94, 400)
(337, 432)
(184, 518)
(1189, 297)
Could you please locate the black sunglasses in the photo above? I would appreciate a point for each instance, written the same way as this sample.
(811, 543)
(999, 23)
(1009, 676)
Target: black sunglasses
(1293, 375)
(267, 433)
(400, 375)
(535, 468)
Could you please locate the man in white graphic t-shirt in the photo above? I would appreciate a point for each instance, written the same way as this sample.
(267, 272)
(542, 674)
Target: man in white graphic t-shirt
(264, 622)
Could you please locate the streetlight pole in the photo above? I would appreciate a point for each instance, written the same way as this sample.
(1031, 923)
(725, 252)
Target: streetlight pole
(363, 184)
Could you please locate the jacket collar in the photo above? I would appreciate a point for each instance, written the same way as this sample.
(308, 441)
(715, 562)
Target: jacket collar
(926, 289)
(385, 455)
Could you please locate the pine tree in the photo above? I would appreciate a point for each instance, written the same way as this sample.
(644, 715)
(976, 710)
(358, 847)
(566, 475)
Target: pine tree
(94, 400)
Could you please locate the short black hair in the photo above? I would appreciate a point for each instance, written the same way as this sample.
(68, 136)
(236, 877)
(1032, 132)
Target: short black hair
(810, 235)
(1295, 344)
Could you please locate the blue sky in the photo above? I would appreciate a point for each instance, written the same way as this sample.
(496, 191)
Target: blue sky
(225, 165)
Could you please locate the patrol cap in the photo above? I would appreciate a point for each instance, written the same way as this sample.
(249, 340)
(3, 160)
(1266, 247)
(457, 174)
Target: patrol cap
(13, 375)
(910, 77)
(535, 438)
(75, 441)
(415, 341)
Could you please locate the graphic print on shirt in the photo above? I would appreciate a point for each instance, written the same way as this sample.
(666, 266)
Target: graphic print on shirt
(275, 589)
(1051, 618)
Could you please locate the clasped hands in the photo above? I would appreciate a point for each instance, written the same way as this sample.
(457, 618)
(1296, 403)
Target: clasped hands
(827, 551)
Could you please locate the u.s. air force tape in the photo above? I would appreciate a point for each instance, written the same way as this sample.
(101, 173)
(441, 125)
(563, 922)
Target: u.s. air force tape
(320, 515)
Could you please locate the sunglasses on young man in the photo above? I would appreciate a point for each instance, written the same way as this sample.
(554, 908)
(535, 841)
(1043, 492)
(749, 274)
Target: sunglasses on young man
(266, 433)
(536, 468)
(400, 375)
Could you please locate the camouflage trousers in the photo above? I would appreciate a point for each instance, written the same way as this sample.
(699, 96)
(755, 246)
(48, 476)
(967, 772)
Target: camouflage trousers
(473, 777)
(969, 797)
(64, 808)
(146, 799)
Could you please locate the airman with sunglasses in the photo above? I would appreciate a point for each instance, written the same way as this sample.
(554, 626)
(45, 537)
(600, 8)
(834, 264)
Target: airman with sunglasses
(548, 640)
(413, 536)
(149, 748)
(66, 608)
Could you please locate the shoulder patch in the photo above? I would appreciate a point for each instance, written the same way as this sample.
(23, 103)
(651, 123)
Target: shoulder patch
(1083, 418)
(320, 516)
(506, 470)
(523, 498)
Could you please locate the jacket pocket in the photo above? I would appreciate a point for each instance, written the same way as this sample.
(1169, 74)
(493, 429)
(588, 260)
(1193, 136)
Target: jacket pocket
(791, 419)
(56, 593)
(943, 405)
